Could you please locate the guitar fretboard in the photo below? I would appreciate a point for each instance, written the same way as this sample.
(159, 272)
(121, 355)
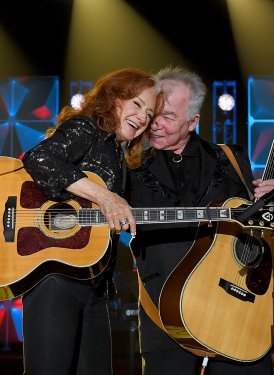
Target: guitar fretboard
(180, 214)
(269, 166)
(89, 216)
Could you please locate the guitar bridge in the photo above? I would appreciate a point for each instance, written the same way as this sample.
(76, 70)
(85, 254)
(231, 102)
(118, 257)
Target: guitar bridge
(9, 219)
(236, 291)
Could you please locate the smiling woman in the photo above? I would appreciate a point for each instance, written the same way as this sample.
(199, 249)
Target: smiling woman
(135, 115)
(88, 138)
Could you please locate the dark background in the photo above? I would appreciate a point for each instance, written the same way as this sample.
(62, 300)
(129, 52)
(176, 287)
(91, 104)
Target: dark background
(198, 29)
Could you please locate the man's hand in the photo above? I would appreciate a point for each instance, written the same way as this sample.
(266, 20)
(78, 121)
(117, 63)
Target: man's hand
(262, 187)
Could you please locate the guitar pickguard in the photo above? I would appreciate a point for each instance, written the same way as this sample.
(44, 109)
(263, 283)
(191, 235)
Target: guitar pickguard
(254, 257)
(39, 241)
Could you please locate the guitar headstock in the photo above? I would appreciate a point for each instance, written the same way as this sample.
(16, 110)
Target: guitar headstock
(261, 219)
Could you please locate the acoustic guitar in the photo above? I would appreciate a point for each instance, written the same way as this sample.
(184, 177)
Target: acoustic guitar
(219, 299)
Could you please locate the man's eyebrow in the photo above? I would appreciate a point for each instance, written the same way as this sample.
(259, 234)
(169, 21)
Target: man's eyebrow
(167, 113)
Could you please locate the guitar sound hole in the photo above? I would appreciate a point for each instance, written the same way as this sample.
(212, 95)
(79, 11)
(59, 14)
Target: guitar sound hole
(248, 250)
(59, 217)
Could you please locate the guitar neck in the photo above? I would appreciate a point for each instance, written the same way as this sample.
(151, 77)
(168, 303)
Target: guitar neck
(89, 216)
(269, 166)
(180, 214)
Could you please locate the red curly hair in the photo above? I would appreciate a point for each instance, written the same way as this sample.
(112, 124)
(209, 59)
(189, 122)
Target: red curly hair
(100, 104)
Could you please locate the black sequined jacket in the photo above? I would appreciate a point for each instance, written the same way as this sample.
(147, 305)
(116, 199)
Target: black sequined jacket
(78, 145)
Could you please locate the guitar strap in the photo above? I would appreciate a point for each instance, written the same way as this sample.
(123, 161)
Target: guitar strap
(145, 299)
(235, 164)
(148, 305)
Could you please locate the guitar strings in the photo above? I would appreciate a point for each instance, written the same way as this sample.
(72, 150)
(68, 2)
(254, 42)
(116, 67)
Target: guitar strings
(250, 242)
(95, 216)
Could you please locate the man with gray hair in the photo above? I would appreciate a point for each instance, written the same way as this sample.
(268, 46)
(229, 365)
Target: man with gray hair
(183, 170)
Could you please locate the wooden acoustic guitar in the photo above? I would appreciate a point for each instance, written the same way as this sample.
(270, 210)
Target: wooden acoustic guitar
(219, 299)
(39, 236)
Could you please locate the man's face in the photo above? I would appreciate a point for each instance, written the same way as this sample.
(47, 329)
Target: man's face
(171, 129)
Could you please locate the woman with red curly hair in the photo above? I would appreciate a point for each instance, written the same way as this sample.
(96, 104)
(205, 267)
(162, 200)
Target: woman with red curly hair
(65, 319)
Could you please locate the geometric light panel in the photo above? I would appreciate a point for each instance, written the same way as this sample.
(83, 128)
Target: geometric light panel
(260, 142)
(29, 105)
(260, 121)
(261, 91)
(11, 322)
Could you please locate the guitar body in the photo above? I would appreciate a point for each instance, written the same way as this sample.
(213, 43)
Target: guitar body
(219, 298)
(39, 236)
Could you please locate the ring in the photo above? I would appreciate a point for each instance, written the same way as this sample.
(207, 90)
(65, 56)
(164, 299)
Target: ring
(124, 222)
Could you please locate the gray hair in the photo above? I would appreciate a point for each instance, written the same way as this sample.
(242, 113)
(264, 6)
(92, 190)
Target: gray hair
(189, 79)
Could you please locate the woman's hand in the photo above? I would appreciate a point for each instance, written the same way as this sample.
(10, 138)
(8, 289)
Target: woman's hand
(117, 212)
(115, 209)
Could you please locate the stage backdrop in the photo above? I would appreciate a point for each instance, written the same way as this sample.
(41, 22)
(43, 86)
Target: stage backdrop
(29, 105)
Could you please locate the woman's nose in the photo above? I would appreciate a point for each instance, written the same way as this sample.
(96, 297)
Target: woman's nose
(142, 116)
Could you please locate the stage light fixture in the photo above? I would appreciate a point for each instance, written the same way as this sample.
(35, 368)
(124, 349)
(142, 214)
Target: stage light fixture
(76, 101)
(224, 112)
(226, 102)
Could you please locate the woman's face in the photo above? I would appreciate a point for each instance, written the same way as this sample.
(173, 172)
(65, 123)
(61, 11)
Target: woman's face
(135, 114)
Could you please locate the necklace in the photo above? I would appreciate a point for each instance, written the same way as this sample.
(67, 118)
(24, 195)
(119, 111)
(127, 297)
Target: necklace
(177, 158)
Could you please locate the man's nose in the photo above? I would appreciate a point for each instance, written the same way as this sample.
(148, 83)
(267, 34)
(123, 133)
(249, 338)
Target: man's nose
(155, 124)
